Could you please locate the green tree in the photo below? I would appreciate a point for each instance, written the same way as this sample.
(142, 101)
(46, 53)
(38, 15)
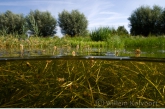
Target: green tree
(145, 20)
(41, 23)
(73, 24)
(156, 20)
(122, 31)
(162, 22)
(11, 23)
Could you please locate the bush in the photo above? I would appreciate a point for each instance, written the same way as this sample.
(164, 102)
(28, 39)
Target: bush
(102, 33)
(122, 31)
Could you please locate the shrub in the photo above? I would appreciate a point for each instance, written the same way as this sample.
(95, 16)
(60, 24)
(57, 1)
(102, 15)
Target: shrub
(122, 31)
(102, 33)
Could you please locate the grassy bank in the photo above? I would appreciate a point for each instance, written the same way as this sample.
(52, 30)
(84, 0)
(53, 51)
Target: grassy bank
(81, 83)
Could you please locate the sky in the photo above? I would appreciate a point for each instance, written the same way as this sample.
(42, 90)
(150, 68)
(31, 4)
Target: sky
(99, 13)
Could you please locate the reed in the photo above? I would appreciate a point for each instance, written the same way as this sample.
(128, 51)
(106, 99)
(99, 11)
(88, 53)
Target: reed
(151, 42)
(112, 42)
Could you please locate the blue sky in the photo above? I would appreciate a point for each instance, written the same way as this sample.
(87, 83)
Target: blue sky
(100, 13)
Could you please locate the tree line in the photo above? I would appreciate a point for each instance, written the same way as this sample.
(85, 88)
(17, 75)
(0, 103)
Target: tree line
(40, 23)
(147, 20)
(43, 23)
(143, 21)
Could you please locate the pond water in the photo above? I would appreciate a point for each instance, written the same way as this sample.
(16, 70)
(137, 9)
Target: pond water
(90, 78)
(128, 52)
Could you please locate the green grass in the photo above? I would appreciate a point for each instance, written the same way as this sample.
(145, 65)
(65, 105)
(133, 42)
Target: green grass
(81, 83)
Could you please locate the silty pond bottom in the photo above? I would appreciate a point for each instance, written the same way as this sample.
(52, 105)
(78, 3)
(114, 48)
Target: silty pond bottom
(82, 81)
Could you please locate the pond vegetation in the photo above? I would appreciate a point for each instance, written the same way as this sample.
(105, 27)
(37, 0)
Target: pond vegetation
(81, 83)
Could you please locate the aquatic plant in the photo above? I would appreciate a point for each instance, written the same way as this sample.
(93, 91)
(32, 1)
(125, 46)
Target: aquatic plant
(81, 83)
(112, 42)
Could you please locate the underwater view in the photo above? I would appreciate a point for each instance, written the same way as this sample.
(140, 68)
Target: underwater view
(82, 54)
(87, 77)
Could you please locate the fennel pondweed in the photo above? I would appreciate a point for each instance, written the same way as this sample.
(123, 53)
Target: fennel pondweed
(81, 83)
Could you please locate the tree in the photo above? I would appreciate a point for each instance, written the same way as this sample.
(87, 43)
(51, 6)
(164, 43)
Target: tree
(41, 23)
(145, 20)
(156, 20)
(122, 31)
(162, 22)
(74, 23)
(11, 23)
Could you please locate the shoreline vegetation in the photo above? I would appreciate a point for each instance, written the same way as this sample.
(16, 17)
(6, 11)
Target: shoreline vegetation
(113, 42)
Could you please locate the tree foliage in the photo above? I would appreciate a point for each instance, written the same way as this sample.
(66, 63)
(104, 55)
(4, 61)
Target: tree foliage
(162, 22)
(122, 31)
(74, 23)
(11, 23)
(146, 20)
(41, 23)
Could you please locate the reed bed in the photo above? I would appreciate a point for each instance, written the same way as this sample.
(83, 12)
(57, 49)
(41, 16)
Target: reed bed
(143, 42)
(36, 42)
(112, 42)
(81, 83)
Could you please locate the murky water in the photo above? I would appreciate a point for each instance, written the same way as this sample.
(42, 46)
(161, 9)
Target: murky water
(83, 78)
(82, 81)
